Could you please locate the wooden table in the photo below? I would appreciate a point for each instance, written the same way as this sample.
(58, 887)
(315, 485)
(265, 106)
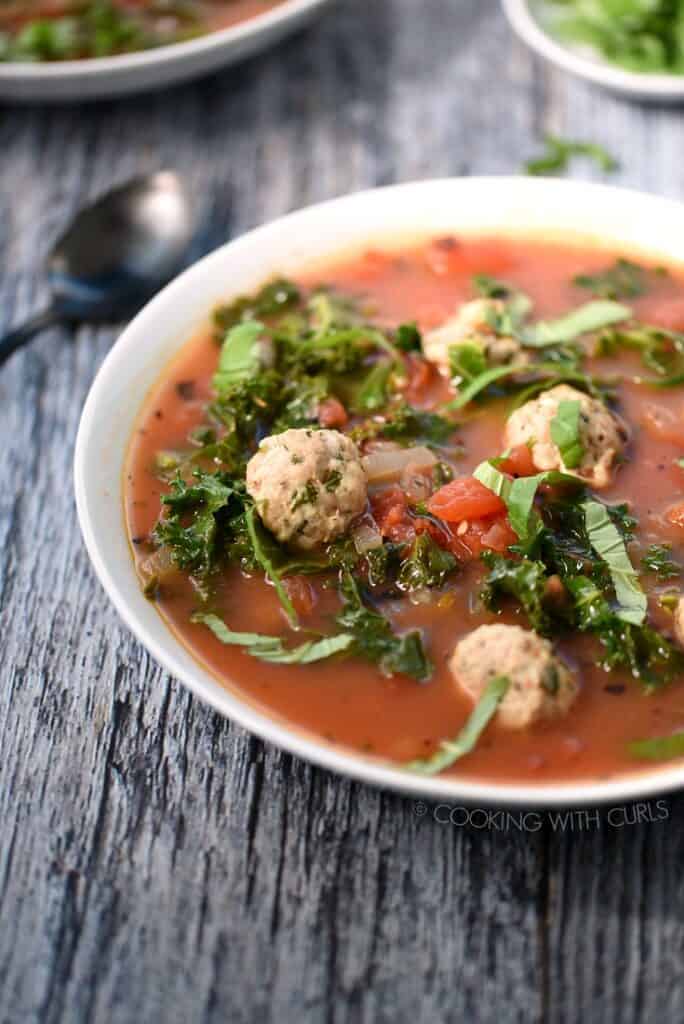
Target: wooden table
(157, 864)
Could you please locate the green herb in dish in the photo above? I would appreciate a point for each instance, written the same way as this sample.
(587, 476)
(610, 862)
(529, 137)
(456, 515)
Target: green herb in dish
(559, 153)
(451, 751)
(639, 35)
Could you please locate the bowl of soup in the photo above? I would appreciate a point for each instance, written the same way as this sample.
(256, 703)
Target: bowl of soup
(397, 483)
(54, 50)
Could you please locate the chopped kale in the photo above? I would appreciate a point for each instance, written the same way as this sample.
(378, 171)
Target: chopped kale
(657, 560)
(274, 298)
(525, 581)
(404, 422)
(427, 566)
(375, 640)
(624, 280)
(646, 653)
(373, 392)
(199, 519)
(660, 350)
(408, 338)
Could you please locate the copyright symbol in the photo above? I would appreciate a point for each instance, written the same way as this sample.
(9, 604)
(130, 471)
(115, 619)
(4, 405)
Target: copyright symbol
(419, 808)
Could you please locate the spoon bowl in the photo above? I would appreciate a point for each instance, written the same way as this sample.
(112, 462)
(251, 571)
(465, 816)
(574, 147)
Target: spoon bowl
(115, 255)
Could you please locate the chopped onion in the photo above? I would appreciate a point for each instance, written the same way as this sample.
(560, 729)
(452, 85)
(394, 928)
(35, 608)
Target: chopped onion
(154, 568)
(416, 484)
(386, 466)
(366, 537)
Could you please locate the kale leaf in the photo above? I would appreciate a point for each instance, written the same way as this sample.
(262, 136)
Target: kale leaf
(525, 581)
(624, 280)
(375, 640)
(657, 560)
(427, 566)
(199, 517)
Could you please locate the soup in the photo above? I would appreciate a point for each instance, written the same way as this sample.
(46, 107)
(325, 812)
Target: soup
(49, 30)
(427, 504)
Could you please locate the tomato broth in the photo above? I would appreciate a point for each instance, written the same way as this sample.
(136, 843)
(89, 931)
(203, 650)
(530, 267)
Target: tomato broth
(350, 702)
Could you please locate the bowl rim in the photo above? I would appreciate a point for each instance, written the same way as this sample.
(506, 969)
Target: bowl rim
(170, 653)
(655, 85)
(205, 44)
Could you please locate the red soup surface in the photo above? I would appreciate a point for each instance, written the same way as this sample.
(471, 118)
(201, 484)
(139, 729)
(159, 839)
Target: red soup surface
(349, 700)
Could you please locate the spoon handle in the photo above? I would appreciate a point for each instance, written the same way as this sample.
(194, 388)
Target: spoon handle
(21, 335)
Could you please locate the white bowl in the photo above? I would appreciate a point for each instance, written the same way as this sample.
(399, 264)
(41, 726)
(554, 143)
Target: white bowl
(526, 17)
(152, 69)
(402, 213)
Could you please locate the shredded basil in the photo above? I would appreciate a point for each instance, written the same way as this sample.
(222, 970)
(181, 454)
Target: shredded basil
(565, 433)
(518, 495)
(660, 748)
(606, 541)
(239, 359)
(271, 648)
(592, 316)
(451, 751)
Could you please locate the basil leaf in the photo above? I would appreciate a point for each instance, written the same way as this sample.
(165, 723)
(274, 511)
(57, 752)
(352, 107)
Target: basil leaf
(481, 383)
(592, 316)
(260, 544)
(519, 495)
(660, 748)
(451, 751)
(408, 338)
(467, 361)
(565, 433)
(559, 152)
(271, 648)
(491, 287)
(606, 541)
(239, 359)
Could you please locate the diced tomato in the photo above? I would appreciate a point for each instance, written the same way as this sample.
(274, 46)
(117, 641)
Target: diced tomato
(489, 534)
(499, 536)
(390, 511)
(420, 374)
(331, 413)
(465, 498)
(675, 515)
(301, 593)
(519, 462)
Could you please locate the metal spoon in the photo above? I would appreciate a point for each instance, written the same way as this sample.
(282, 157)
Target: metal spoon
(115, 256)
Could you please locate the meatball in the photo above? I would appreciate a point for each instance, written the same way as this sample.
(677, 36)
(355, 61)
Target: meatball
(541, 686)
(602, 434)
(679, 622)
(471, 324)
(307, 485)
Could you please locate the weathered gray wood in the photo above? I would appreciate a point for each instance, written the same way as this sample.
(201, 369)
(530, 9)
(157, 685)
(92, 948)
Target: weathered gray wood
(156, 863)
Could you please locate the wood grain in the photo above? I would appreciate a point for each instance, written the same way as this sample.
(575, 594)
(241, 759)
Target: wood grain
(157, 863)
